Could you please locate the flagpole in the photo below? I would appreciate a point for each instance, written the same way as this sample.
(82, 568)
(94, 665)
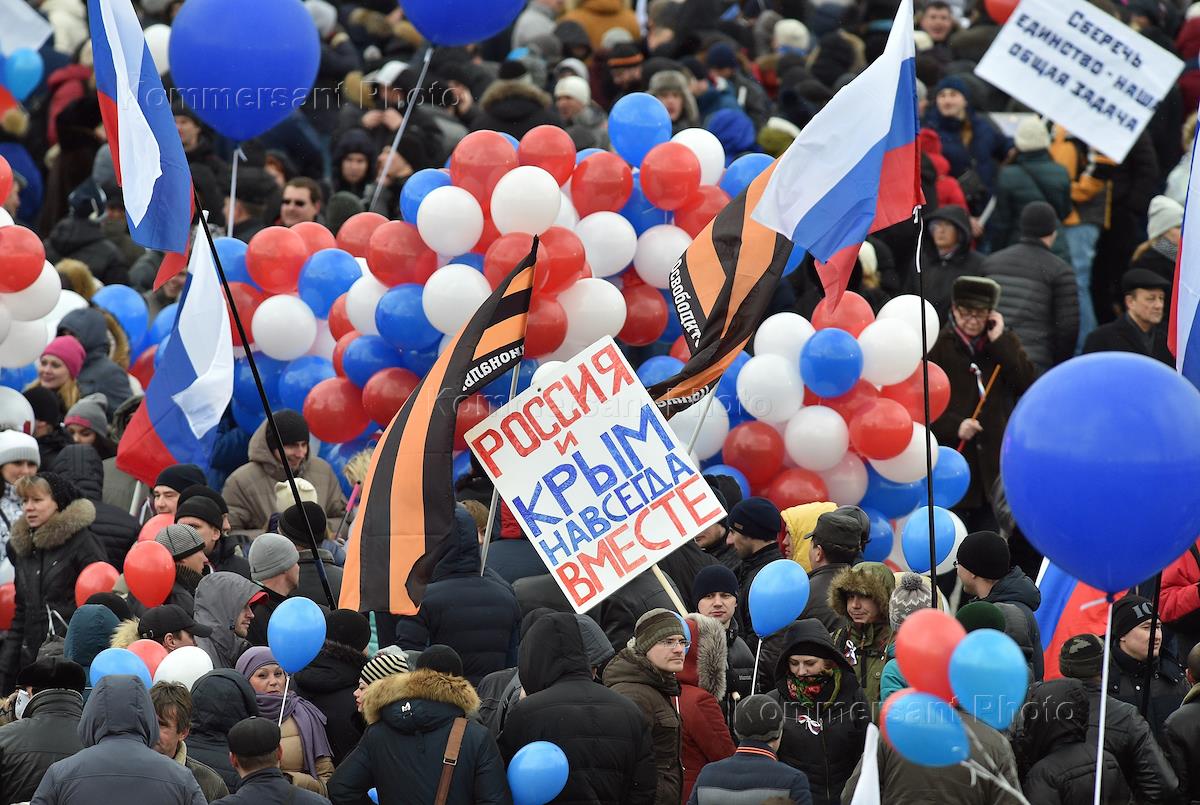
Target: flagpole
(238, 156)
(408, 109)
(262, 396)
(933, 560)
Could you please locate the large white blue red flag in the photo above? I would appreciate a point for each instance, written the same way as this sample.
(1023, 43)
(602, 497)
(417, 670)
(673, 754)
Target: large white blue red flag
(855, 168)
(1183, 334)
(191, 388)
(151, 166)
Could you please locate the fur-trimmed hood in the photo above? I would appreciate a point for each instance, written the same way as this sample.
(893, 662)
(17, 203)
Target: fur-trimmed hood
(501, 91)
(707, 659)
(126, 634)
(872, 579)
(420, 701)
(55, 532)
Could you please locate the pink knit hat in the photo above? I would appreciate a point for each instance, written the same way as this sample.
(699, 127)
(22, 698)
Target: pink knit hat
(68, 350)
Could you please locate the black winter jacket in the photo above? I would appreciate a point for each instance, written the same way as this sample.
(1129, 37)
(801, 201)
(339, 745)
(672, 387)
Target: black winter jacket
(941, 271)
(84, 240)
(329, 682)
(1122, 335)
(271, 787)
(751, 565)
(1128, 738)
(1127, 677)
(681, 566)
(1019, 590)
(1181, 742)
(604, 735)
(220, 699)
(48, 731)
(514, 108)
(117, 530)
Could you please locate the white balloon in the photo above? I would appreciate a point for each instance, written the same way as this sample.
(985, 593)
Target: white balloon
(713, 429)
(284, 327)
(450, 220)
(817, 438)
(184, 665)
(5, 324)
(907, 308)
(25, 342)
(594, 308)
(361, 301)
(783, 334)
(567, 349)
(452, 295)
(891, 351)
(708, 149)
(324, 343)
(909, 466)
(545, 371)
(36, 301)
(67, 301)
(658, 250)
(960, 533)
(847, 482)
(567, 216)
(770, 389)
(158, 40)
(445, 342)
(609, 242)
(15, 411)
(5, 218)
(526, 199)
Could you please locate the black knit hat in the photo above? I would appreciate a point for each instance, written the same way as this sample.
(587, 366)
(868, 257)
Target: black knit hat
(1081, 657)
(52, 673)
(292, 428)
(180, 476)
(985, 553)
(1038, 220)
(63, 491)
(45, 404)
(757, 518)
(202, 508)
(758, 718)
(1128, 613)
(713, 579)
(291, 522)
(349, 628)
(201, 490)
(442, 659)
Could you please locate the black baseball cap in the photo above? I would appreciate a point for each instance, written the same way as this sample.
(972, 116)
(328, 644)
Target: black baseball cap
(158, 622)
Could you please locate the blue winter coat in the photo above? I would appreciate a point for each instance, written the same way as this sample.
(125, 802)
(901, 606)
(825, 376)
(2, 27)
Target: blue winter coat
(987, 149)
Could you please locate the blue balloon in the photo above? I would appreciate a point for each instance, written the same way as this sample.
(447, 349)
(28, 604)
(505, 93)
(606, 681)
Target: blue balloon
(128, 307)
(640, 212)
(879, 544)
(513, 141)
(926, 731)
(162, 324)
(300, 376)
(889, 498)
(914, 541)
(324, 277)
(537, 773)
(658, 368)
(269, 369)
(419, 361)
(734, 473)
(673, 329)
(831, 362)
(462, 21)
(367, 355)
(119, 661)
(742, 171)
(951, 477)
(295, 633)
(989, 677)
(587, 152)
(637, 123)
(18, 378)
(497, 391)
(417, 187)
(472, 259)
(244, 67)
(401, 319)
(23, 72)
(248, 416)
(1058, 447)
(777, 596)
(727, 391)
(232, 253)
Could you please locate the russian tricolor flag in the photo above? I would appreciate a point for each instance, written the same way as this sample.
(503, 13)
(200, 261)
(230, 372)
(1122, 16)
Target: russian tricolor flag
(855, 168)
(151, 166)
(1069, 607)
(1185, 297)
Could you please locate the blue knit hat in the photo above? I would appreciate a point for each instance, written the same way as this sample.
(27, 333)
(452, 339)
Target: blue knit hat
(954, 82)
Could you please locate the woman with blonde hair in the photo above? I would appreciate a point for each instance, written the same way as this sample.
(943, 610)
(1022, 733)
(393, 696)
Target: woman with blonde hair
(59, 365)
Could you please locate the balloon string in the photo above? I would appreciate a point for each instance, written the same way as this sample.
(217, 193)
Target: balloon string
(410, 103)
(287, 679)
(977, 769)
(933, 557)
(1104, 699)
(238, 156)
(754, 677)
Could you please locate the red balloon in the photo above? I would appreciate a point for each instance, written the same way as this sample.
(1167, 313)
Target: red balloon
(386, 392)
(22, 257)
(149, 572)
(149, 652)
(924, 644)
(8, 605)
(478, 162)
(506, 252)
(247, 298)
(795, 486)
(645, 315)
(98, 577)
(334, 411)
(339, 351)
(700, 208)
(909, 393)
(852, 314)
(471, 412)
(6, 176)
(682, 352)
(488, 237)
(396, 254)
(315, 236)
(339, 321)
(756, 449)
(564, 259)
(601, 182)
(274, 259)
(549, 148)
(355, 234)
(547, 327)
(849, 404)
(1000, 10)
(881, 430)
(670, 175)
(152, 526)
(143, 367)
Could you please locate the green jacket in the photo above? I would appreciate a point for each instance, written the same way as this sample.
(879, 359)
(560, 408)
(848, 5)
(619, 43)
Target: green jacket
(1032, 176)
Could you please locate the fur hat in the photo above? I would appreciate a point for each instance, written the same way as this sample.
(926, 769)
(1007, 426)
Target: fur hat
(53, 673)
(976, 292)
(1032, 135)
(872, 579)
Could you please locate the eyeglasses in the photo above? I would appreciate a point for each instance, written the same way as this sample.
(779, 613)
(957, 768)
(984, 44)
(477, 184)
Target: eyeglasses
(293, 202)
(674, 643)
(980, 313)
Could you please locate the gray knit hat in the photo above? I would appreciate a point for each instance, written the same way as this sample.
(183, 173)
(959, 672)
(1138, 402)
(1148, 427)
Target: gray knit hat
(17, 446)
(382, 665)
(270, 555)
(89, 413)
(181, 540)
(655, 625)
(911, 594)
(758, 718)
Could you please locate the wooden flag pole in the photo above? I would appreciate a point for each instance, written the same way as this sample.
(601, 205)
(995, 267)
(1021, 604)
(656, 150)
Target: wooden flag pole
(979, 406)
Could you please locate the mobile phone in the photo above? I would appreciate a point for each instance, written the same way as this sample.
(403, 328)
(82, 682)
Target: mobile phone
(991, 323)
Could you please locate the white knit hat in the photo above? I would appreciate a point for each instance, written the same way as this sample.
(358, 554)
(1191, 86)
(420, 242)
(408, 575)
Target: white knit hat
(573, 87)
(1032, 135)
(17, 446)
(1165, 213)
(789, 33)
(283, 494)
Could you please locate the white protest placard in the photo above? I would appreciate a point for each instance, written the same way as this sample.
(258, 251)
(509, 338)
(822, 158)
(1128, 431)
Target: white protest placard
(1083, 69)
(596, 478)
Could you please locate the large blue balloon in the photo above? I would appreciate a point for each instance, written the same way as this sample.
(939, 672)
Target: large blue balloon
(537, 773)
(295, 633)
(640, 212)
(637, 123)
(367, 355)
(926, 731)
(1101, 463)
(734, 473)
(879, 545)
(417, 187)
(831, 362)
(120, 661)
(915, 538)
(472, 259)
(657, 369)
(232, 253)
(742, 171)
(777, 596)
(889, 498)
(951, 477)
(128, 307)
(401, 320)
(989, 676)
(324, 277)
(162, 324)
(23, 72)
(244, 67)
(461, 22)
(300, 376)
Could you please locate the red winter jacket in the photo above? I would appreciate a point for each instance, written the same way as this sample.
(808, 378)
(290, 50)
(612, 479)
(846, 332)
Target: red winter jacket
(702, 684)
(1180, 594)
(949, 191)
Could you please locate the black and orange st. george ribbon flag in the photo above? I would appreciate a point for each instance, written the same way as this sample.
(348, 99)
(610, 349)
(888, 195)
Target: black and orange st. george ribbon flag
(721, 287)
(407, 509)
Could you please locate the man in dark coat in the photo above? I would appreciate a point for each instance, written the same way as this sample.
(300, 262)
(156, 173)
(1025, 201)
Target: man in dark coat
(99, 373)
(208, 513)
(1181, 737)
(947, 254)
(984, 565)
(46, 731)
(255, 752)
(754, 526)
(836, 540)
(329, 681)
(715, 593)
(1141, 329)
(605, 738)
(117, 530)
(513, 105)
(220, 699)
(1132, 648)
(173, 708)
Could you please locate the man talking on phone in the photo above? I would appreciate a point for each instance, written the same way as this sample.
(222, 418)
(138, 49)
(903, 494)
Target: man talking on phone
(969, 348)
